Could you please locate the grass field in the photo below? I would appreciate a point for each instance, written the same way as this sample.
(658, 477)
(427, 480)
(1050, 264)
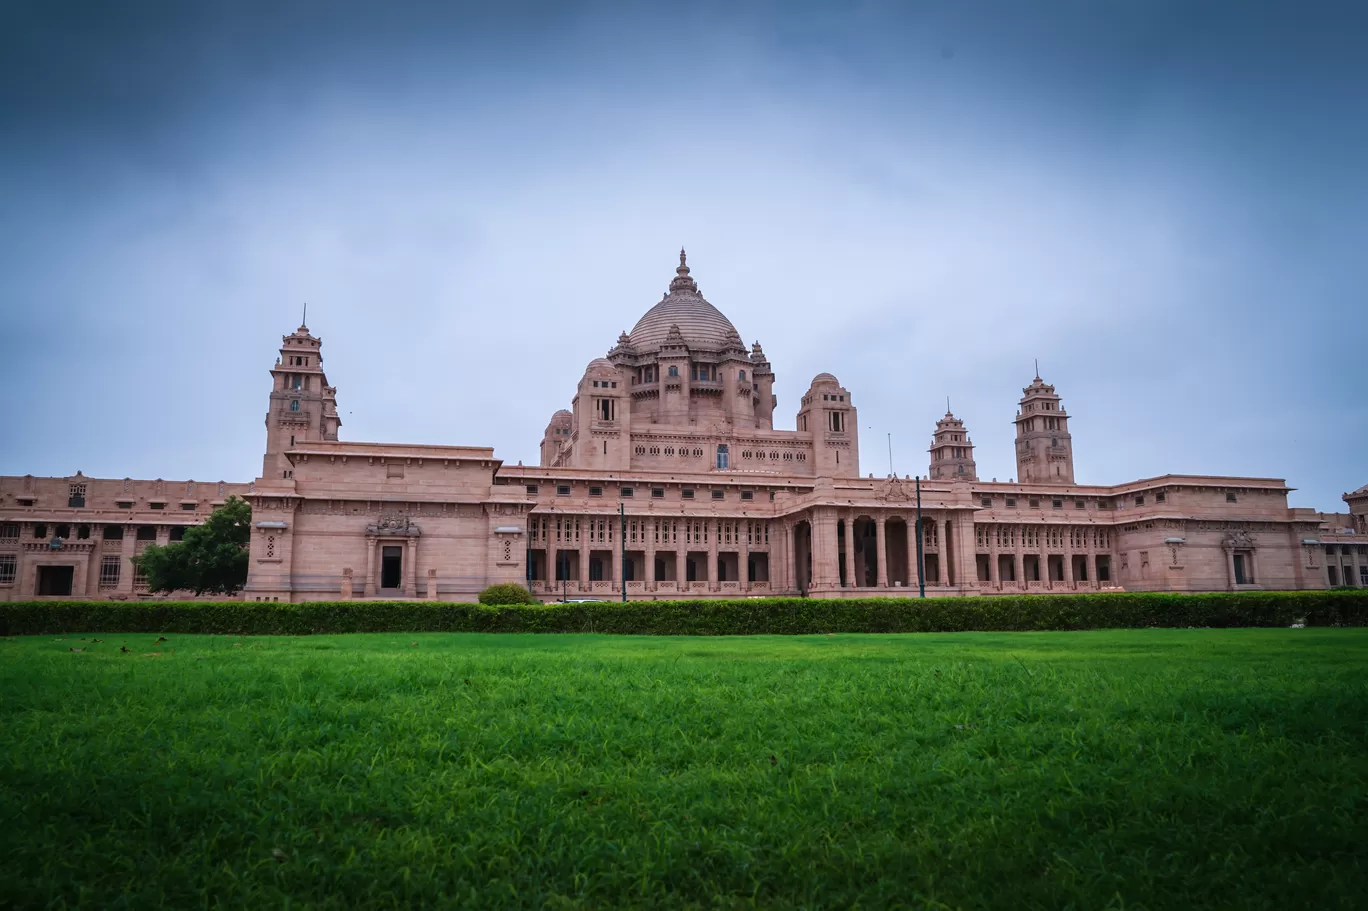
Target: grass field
(1136, 769)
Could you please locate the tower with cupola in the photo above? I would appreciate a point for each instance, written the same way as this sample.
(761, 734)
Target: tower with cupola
(303, 407)
(1044, 448)
(952, 452)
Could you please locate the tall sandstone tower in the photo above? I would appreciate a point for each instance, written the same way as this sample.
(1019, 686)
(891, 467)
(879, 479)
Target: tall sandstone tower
(303, 405)
(1044, 449)
(952, 452)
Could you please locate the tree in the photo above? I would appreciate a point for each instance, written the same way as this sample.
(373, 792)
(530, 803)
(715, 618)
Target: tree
(210, 558)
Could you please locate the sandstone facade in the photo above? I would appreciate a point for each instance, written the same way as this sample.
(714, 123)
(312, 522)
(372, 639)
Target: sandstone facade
(666, 477)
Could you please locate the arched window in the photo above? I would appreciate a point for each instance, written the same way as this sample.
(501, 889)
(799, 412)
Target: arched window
(722, 455)
(743, 375)
(294, 404)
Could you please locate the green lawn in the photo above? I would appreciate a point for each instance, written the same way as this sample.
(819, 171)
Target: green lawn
(1136, 769)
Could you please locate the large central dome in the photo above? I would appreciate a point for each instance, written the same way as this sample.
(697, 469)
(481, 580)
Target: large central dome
(700, 323)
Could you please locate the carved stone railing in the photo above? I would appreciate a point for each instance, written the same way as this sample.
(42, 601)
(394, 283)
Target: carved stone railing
(760, 586)
(729, 586)
(667, 586)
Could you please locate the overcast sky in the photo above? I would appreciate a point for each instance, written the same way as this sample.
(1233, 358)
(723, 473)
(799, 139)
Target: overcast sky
(1166, 203)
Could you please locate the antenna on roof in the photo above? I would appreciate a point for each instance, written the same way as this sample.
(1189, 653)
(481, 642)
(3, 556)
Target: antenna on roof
(1037, 363)
(304, 320)
(947, 404)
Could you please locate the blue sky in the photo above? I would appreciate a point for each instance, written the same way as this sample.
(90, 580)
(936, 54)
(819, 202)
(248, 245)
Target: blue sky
(1166, 203)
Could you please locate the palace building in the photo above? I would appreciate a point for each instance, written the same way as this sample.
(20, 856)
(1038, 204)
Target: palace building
(667, 477)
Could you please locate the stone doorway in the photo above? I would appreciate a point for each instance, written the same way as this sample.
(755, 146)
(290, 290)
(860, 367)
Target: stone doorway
(55, 580)
(391, 566)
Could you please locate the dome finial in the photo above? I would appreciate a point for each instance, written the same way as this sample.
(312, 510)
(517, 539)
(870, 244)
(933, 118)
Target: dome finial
(681, 281)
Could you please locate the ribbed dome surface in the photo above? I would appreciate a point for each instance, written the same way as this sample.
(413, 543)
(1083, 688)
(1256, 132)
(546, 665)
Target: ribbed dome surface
(700, 323)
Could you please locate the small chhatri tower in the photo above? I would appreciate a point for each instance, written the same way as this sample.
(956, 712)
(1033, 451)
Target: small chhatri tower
(1044, 449)
(952, 452)
(303, 405)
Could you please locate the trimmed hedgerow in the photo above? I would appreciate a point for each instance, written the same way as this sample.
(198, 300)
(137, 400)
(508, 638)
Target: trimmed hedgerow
(1130, 610)
(507, 593)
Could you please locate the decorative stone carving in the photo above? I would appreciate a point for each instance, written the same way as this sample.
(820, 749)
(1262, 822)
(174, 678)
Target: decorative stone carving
(394, 526)
(1238, 539)
(893, 490)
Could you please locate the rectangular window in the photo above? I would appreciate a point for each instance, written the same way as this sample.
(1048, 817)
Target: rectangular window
(717, 494)
(1080, 504)
(76, 496)
(985, 502)
(113, 532)
(1230, 498)
(686, 493)
(9, 563)
(1140, 501)
(657, 493)
(1035, 504)
(156, 505)
(1333, 573)
(748, 495)
(125, 504)
(109, 572)
(1160, 497)
(627, 492)
(1101, 504)
(532, 489)
(1057, 504)
(177, 533)
(1363, 576)
(9, 530)
(26, 502)
(1011, 501)
(595, 491)
(562, 490)
(188, 507)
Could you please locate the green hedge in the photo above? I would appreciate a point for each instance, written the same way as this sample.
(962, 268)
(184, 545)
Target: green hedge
(698, 618)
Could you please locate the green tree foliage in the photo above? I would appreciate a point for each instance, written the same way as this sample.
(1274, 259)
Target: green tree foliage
(211, 558)
(506, 593)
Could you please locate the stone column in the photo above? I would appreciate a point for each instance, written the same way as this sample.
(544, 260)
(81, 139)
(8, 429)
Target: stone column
(1018, 556)
(585, 531)
(712, 529)
(950, 554)
(1092, 569)
(411, 567)
(368, 586)
(681, 548)
(127, 551)
(851, 581)
(1230, 567)
(1045, 556)
(648, 527)
(913, 570)
(1068, 557)
(881, 548)
(993, 579)
(743, 559)
(432, 585)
